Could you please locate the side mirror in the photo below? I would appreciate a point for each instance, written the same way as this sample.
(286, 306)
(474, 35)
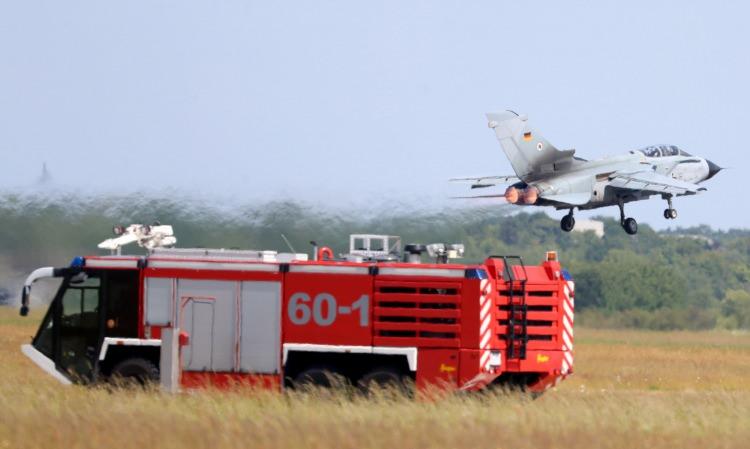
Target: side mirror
(24, 302)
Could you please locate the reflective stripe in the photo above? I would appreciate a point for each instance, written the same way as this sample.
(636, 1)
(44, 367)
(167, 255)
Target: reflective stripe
(432, 272)
(485, 324)
(568, 327)
(566, 340)
(224, 266)
(485, 340)
(293, 268)
(568, 311)
(485, 309)
(112, 263)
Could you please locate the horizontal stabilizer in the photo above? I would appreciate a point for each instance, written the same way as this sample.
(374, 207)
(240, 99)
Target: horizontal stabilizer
(487, 181)
(476, 196)
(502, 179)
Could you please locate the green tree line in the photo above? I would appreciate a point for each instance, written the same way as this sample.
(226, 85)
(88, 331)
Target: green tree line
(694, 278)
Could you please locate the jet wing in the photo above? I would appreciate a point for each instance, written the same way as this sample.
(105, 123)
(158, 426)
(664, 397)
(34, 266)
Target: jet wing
(487, 181)
(650, 181)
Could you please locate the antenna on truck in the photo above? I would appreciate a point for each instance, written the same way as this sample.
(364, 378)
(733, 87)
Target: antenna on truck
(286, 240)
(149, 237)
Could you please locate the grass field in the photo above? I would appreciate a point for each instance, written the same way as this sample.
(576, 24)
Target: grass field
(631, 389)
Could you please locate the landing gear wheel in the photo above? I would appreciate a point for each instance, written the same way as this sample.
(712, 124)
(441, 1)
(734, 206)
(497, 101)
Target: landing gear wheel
(667, 214)
(672, 213)
(567, 223)
(135, 372)
(630, 226)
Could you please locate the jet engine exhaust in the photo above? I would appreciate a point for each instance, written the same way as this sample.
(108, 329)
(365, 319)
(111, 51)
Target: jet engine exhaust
(530, 195)
(512, 195)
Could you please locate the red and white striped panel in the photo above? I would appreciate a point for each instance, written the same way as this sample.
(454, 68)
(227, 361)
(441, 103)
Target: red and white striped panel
(567, 327)
(485, 324)
(567, 333)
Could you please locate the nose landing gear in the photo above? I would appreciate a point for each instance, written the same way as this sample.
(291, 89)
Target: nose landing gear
(670, 213)
(628, 224)
(568, 222)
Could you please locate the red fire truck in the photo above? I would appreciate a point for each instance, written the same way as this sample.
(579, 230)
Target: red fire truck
(379, 313)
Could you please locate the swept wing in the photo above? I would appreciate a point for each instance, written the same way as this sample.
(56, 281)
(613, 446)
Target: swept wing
(650, 181)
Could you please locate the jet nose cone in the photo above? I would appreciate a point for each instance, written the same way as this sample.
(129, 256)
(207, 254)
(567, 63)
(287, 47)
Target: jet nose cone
(712, 169)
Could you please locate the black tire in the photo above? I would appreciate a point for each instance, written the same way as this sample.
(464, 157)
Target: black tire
(673, 214)
(317, 376)
(630, 226)
(384, 378)
(135, 371)
(567, 223)
(667, 214)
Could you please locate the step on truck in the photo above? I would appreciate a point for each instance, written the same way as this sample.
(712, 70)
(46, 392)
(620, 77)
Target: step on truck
(381, 313)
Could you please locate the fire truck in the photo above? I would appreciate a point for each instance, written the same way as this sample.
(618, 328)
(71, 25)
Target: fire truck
(379, 314)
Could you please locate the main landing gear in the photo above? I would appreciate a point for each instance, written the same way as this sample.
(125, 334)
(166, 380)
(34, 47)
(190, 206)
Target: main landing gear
(670, 213)
(628, 224)
(568, 222)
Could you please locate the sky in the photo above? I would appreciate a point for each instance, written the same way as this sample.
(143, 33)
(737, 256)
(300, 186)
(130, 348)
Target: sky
(364, 103)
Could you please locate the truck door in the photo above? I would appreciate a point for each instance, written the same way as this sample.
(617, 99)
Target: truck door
(78, 326)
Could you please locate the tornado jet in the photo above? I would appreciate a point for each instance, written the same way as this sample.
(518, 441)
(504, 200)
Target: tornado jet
(546, 176)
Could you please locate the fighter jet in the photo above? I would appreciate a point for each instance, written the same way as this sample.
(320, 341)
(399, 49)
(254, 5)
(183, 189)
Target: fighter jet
(546, 176)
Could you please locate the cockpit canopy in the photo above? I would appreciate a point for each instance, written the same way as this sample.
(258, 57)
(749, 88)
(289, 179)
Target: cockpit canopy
(662, 151)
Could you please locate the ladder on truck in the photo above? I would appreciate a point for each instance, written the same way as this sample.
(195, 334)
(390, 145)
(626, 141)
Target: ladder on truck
(516, 342)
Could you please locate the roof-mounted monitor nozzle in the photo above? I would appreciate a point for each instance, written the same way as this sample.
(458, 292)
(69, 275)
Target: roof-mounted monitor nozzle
(442, 252)
(146, 236)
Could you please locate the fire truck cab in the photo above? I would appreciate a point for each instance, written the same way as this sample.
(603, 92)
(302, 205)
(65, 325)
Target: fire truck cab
(378, 314)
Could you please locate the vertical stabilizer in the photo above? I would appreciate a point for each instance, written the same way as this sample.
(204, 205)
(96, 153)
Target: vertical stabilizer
(529, 153)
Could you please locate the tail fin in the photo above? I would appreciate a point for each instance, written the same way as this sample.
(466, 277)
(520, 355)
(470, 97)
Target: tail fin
(529, 153)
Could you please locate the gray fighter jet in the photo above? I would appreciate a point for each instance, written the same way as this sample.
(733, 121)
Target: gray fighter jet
(546, 176)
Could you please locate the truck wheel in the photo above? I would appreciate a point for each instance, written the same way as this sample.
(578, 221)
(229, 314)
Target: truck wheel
(317, 376)
(383, 378)
(135, 371)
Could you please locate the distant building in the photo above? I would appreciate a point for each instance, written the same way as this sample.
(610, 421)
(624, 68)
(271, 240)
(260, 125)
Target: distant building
(590, 225)
(701, 238)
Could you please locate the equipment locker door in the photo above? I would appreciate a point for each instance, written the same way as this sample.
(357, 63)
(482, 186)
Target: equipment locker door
(260, 327)
(198, 322)
(208, 312)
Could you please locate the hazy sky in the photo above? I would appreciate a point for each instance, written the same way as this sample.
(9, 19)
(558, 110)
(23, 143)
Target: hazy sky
(350, 101)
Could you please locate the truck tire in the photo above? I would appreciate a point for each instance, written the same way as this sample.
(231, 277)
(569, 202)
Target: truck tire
(385, 377)
(135, 371)
(316, 376)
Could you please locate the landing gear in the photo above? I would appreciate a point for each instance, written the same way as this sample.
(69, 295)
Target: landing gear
(628, 224)
(568, 222)
(670, 213)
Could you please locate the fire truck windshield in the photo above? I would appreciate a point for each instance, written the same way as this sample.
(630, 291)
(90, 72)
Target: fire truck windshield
(88, 306)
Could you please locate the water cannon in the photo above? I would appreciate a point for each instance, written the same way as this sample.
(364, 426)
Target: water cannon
(442, 251)
(146, 236)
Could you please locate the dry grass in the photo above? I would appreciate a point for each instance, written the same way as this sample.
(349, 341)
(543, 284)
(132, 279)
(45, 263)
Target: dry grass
(631, 389)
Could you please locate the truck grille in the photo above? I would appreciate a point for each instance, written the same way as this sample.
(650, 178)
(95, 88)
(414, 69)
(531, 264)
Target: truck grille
(417, 313)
